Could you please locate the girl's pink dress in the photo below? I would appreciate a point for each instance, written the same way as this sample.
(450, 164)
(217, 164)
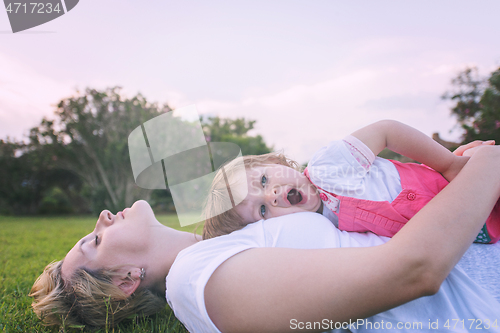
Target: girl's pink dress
(419, 185)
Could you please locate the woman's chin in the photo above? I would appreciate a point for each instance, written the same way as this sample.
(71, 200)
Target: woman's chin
(141, 203)
(143, 207)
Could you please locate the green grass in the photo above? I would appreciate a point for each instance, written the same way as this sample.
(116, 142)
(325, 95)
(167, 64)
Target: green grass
(28, 244)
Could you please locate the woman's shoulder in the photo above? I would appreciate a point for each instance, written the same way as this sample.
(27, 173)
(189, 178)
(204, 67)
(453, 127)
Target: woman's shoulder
(283, 231)
(301, 231)
(194, 266)
(211, 251)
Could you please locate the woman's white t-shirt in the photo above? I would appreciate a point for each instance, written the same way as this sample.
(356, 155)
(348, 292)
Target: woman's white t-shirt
(459, 297)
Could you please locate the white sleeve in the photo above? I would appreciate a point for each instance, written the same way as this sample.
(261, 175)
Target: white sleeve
(194, 266)
(359, 151)
(341, 166)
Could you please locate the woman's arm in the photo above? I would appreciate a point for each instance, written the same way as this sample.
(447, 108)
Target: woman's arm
(412, 143)
(263, 289)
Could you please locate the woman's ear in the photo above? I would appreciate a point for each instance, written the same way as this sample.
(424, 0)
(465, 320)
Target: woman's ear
(128, 281)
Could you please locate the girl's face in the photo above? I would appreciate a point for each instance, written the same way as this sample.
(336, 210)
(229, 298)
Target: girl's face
(277, 190)
(120, 239)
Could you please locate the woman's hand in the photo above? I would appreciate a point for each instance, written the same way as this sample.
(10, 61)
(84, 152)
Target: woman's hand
(470, 148)
(461, 156)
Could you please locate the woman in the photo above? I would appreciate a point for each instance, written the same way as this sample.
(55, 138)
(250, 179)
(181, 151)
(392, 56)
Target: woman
(239, 287)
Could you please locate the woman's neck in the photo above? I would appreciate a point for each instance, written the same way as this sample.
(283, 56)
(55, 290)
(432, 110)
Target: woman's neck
(167, 244)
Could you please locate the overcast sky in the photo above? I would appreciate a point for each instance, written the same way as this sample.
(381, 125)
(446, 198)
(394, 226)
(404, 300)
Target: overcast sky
(307, 71)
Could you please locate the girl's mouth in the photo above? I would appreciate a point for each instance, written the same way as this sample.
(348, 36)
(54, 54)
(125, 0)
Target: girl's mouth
(294, 197)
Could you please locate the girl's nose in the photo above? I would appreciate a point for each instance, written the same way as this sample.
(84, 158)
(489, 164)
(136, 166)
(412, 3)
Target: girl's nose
(272, 197)
(106, 218)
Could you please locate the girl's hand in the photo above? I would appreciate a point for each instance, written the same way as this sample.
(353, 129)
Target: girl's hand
(470, 148)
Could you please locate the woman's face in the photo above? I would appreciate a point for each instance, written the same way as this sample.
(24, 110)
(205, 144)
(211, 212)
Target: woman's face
(121, 239)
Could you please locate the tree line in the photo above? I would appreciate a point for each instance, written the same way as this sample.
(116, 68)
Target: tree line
(78, 161)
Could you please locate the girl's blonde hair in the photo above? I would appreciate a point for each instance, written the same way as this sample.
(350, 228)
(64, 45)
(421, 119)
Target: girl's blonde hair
(224, 223)
(88, 298)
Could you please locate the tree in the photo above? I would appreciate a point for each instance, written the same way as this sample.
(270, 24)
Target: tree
(236, 131)
(89, 137)
(32, 183)
(79, 160)
(477, 104)
(19, 187)
(84, 149)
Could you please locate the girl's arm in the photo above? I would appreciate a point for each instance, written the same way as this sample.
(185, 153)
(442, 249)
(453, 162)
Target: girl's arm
(265, 289)
(412, 143)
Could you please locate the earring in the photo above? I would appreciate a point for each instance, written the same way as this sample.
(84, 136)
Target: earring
(143, 274)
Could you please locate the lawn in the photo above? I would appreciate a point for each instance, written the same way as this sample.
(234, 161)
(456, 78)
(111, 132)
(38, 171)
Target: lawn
(27, 244)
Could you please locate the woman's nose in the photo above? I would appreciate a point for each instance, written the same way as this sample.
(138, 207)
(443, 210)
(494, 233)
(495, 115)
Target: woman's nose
(106, 218)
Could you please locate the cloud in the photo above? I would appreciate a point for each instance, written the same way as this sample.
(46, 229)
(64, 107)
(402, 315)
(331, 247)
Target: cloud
(26, 96)
(301, 118)
(370, 80)
(422, 100)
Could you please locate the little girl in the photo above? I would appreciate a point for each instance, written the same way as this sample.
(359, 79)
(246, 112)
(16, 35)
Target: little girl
(347, 183)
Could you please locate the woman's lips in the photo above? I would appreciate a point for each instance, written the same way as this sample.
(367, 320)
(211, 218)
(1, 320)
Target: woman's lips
(122, 214)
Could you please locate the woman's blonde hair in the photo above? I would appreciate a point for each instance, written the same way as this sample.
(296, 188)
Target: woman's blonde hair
(88, 298)
(224, 223)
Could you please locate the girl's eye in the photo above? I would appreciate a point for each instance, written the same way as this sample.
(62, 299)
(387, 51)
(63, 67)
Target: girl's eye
(96, 239)
(263, 180)
(262, 210)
